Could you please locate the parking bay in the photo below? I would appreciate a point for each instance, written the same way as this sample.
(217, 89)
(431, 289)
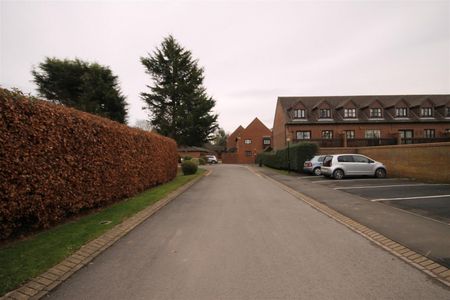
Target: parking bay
(425, 199)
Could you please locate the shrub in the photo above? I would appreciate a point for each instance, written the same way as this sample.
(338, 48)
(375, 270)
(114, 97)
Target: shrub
(187, 158)
(56, 162)
(202, 161)
(298, 154)
(189, 167)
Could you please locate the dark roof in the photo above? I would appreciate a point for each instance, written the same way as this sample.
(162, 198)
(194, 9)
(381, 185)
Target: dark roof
(192, 149)
(336, 102)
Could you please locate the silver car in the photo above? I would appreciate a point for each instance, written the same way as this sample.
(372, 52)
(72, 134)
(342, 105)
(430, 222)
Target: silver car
(313, 165)
(340, 165)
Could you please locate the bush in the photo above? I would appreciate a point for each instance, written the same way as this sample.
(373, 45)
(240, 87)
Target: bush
(189, 167)
(202, 161)
(56, 162)
(187, 158)
(298, 154)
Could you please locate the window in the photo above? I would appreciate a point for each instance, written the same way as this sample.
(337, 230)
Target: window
(266, 141)
(247, 141)
(372, 134)
(248, 153)
(327, 134)
(299, 114)
(448, 112)
(428, 133)
(303, 135)
(406, 135)
(426, 112)
(349, 112)
(376, 113)
(325, 113)
(360, 159)
(350, 134)
(401, 111)
(345, 158)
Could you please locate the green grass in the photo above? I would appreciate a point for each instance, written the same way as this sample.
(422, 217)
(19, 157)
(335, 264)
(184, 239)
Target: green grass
(25, 259)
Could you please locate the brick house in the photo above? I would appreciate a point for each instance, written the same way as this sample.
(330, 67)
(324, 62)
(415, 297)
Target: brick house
(341, 121)
(245, 143)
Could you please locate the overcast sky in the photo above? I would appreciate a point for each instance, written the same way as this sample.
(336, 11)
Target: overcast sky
(252, 51)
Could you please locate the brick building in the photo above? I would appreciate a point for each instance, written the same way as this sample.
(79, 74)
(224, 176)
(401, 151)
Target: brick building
(341, 121)
(245, 143)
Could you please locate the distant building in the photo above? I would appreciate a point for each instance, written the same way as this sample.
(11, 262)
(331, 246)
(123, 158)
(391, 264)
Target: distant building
(193, 152)
(340, 121)
(245, 143)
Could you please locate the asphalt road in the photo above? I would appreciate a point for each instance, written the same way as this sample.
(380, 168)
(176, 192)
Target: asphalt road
(236, 235)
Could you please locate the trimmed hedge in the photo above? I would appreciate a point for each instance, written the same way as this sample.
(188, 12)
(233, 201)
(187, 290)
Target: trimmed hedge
(298, 154)
(189, 167)
(56, 162)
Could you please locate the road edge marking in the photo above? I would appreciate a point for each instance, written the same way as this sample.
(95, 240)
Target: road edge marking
(40, 286)
(420, 262)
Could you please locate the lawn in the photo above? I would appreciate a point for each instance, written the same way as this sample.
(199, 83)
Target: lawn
(25, 259)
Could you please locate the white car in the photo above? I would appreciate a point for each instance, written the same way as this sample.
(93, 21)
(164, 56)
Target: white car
(340, 165)
(211, 159)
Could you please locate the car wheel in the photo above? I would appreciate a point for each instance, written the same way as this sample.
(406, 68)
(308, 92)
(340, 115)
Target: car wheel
(380, 173)
(338, 174)
(317, 172)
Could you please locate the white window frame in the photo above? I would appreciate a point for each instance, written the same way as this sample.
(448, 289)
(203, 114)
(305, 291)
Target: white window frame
(327, 115)
(372, 134)
(302, 135)
(299, 113)
(379, 113)
(247, 141)
(426, 112)
(401, 112)
(350, 113)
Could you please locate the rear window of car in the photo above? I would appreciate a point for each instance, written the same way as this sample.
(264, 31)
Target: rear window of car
(345, 158)
(360, 159)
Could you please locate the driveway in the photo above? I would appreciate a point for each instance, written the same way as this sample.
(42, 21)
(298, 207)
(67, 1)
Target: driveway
(236, 235)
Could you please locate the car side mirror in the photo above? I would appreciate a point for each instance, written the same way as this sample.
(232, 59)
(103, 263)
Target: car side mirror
(371, 161)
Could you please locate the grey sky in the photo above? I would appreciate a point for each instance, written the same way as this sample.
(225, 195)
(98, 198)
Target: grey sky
(252, 51)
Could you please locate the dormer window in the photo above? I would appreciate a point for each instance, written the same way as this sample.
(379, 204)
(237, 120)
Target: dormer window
(325, 113)
(376, 113)
(401, 112)
(299, 114)
(349, 112)
(426, 112)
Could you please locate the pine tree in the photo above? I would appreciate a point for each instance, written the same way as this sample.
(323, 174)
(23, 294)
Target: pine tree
(89, 87)
(179, 105)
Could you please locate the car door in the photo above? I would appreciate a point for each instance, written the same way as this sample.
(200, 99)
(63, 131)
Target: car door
(362, 165)
(346, 163)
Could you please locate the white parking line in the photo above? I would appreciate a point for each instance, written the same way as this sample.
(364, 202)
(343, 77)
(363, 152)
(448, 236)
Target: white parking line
(384, 186)
(409, 198)
(348, 180)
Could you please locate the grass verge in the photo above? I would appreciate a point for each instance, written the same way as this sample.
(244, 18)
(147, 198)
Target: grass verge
(23, 260)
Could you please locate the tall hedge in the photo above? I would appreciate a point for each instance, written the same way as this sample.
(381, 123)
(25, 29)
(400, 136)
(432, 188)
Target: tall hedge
(298, 154)
(56, 162)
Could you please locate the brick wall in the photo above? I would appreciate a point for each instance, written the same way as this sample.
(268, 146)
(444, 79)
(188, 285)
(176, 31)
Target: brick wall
(428, 162)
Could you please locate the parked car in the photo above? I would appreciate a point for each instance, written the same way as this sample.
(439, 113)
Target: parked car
(312, 166)
(340, 165)
(211, 159)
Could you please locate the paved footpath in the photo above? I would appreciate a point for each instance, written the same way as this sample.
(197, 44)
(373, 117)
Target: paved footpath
(236, 235)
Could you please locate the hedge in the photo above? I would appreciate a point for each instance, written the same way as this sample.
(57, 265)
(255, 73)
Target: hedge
(298, 154)
(56, 162)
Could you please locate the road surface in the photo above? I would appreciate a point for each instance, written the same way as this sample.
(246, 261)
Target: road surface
(236, 235)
